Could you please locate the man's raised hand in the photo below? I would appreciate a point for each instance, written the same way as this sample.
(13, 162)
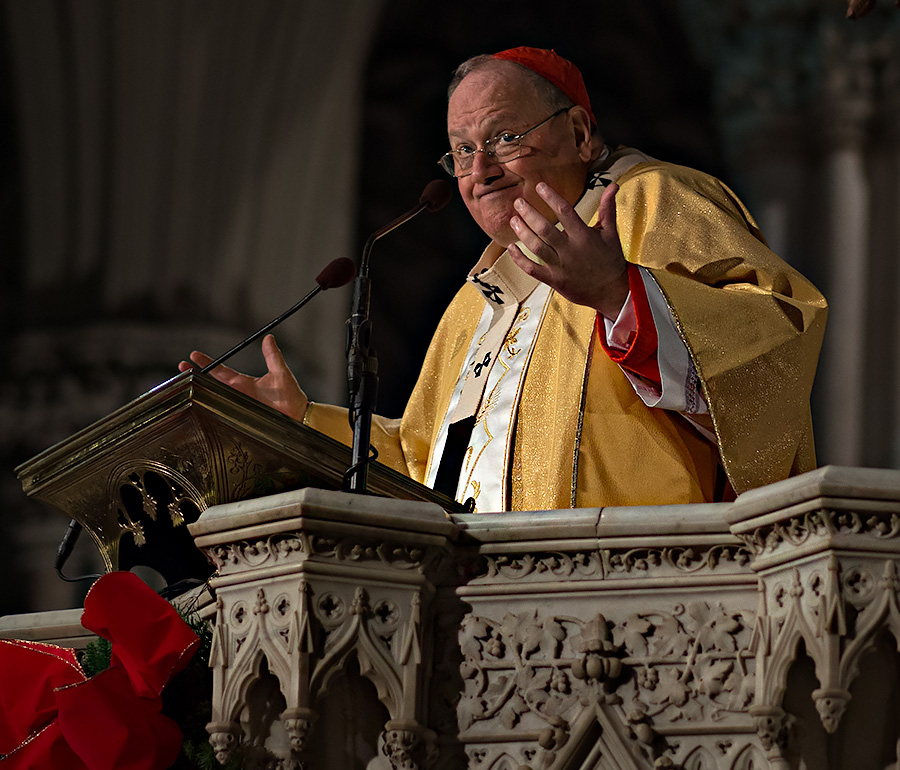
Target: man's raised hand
(584, 264)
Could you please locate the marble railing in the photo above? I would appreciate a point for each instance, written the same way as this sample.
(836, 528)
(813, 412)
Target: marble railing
(355, 631)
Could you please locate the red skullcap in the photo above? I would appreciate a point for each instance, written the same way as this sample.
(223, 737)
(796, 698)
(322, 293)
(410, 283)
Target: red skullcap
(552, 67)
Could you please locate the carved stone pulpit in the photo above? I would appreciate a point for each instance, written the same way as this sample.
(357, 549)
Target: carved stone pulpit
(353, 631)
(306, 582)
(392, 630)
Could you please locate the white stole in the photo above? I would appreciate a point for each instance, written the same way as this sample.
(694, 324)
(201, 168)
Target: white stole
(490, 386)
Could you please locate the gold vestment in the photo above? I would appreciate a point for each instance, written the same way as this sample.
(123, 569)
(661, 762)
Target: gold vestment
(752, 325)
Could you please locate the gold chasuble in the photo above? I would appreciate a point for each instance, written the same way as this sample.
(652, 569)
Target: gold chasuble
(751, 324)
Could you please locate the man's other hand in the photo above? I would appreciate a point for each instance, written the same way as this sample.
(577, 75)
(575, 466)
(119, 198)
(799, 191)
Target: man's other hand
(277, 388)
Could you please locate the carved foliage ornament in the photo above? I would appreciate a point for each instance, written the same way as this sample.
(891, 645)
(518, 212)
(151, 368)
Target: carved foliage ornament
(408, 749)
(686, 665)
(799, 529)
(606, 563)
(284, 547)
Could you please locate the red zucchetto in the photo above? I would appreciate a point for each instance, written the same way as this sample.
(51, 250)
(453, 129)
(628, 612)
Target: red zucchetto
(552, 67)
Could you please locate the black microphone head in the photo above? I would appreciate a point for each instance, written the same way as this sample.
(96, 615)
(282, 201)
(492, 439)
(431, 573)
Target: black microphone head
(336, 273)
(436, 194)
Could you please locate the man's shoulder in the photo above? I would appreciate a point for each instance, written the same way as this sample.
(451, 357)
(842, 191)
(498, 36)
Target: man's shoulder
(673, 184)
(643, 168)
(468, 296)
(466, 305)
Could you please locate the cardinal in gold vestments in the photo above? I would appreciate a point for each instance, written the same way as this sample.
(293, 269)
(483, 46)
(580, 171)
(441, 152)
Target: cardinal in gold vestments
(627, 337)
(753, 327)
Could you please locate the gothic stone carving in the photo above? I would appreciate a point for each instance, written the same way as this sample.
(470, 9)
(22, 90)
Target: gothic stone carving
(828, 579)
(689, 664)
(666, 651)
(303, 627)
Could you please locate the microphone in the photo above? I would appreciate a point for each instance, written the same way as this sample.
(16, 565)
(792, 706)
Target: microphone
(362, 363)
(64, 551)
(338, 272)
(436, 195)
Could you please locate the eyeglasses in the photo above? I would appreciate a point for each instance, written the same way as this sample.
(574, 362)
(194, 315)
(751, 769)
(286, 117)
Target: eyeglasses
(502, 149)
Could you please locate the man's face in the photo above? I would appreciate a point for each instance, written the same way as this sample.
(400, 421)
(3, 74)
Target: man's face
(491, 101)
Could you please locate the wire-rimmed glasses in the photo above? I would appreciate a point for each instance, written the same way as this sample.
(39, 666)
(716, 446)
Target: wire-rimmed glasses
(501, 148)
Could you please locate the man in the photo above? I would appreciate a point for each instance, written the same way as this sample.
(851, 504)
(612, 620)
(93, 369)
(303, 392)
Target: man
(626, 338)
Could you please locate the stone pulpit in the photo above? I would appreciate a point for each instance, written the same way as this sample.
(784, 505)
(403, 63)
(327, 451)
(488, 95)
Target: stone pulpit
(394, 630)
(355, 631)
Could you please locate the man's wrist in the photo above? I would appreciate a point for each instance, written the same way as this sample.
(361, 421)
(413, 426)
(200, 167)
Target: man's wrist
(615, 294)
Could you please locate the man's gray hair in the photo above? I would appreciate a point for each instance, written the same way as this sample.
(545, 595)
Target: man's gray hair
(546, 91)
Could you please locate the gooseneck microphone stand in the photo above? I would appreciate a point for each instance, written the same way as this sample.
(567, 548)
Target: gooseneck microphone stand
(362, 361)
(362, 377)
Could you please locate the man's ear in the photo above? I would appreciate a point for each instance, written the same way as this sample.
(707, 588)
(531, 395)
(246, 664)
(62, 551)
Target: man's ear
(581, 127)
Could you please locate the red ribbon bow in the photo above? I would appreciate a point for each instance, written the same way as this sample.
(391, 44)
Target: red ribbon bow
(52, 716)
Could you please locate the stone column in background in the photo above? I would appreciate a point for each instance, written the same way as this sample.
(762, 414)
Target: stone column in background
(845, 107)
